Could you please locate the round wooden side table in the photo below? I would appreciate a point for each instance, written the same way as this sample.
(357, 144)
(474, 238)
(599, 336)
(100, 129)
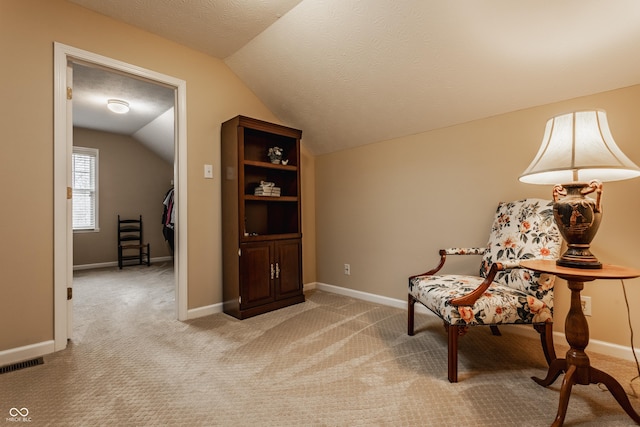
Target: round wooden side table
(576, 365)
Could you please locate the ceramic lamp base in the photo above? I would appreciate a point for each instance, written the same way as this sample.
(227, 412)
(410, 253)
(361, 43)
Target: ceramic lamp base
(578, 218)
(579, 258)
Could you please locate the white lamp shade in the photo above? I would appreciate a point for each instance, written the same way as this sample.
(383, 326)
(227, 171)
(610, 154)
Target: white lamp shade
(579, 146)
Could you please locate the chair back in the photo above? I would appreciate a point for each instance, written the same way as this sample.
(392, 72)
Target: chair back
(521, 230)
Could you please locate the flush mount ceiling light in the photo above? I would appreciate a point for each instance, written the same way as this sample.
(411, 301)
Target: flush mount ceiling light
(118, 106)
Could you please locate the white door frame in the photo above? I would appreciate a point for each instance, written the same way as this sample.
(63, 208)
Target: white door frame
(63, 235)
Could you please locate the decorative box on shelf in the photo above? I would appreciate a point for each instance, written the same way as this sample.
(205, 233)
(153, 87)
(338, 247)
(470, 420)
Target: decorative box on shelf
(267, 189)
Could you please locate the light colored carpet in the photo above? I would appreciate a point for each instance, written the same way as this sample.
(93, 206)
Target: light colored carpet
(331, 361)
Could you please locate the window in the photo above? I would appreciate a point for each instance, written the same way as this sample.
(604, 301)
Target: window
(84, 182)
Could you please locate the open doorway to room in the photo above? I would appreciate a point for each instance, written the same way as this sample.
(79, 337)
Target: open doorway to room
(122, 172)
(123, 165)
(145, 154)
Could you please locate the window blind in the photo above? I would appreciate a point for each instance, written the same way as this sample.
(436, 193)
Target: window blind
(84, 178)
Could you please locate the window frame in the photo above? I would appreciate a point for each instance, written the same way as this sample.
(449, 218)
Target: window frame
(95, 154)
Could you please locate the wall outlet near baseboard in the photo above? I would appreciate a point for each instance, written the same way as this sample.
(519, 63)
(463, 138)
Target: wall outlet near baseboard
(347, 269)
(586, 305)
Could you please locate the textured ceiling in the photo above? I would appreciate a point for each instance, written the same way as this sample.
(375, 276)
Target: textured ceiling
(93, 86)
(353, 72)
(216, 27)
(150, 119)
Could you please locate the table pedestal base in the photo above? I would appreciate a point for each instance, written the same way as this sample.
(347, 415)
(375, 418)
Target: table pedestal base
(576, 365)
(584, 375)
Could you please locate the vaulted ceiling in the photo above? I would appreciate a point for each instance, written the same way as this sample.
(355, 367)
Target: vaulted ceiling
(353, 72)
(150, 120)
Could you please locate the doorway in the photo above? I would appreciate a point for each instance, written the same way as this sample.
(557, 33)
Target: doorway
(129, 159)
(63, 140)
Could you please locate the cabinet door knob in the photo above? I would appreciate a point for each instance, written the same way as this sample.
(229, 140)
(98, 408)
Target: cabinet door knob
(272, 271)
(277, 271)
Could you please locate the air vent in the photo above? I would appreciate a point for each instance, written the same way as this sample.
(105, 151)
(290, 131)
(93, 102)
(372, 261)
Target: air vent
(21, 365)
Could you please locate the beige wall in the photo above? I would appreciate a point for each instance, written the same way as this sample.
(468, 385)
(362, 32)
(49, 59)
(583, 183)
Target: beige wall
(387, 208)
(132, 181)
(28, 30)
(384, 208)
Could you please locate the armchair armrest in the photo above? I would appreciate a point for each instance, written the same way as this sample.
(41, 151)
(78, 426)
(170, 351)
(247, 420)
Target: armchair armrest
(472, 297)
(509, 265)
(464, 251)
(450, 251)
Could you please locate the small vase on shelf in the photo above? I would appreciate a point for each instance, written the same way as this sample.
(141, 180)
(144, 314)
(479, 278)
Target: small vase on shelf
(275, 155)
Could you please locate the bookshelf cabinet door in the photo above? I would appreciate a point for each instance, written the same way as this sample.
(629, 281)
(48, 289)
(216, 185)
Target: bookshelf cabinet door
(256, 285)
(289, 261)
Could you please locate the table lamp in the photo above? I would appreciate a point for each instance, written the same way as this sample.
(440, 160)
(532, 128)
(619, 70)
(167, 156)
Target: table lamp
(578, 150)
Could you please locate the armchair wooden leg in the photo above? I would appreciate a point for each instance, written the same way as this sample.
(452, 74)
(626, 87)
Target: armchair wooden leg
(410, 314)
(546, 338)
(453, 333)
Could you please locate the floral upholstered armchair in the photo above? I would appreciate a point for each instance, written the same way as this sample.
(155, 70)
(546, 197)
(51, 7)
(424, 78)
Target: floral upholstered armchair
(503, 293)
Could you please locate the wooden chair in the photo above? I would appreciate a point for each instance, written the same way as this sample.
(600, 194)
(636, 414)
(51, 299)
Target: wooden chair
(503, 293)
(131, 246)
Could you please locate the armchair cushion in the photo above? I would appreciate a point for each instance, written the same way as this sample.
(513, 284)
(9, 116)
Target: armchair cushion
(499, 304)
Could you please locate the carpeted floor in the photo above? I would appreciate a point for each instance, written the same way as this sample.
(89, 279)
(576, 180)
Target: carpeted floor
(331, 361)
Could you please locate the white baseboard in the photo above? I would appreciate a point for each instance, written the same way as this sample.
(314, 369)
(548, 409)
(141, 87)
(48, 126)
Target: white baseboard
(392, 302)
(115, 263)
(596, 346)
(217, 308)
(194, 313)
(28, 352)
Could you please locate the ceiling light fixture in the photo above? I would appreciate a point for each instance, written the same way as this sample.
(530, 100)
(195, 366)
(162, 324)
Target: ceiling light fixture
(118, 106)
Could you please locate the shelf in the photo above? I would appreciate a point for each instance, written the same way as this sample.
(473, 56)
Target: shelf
(253, 198)
(284, 177)
(268, 165)
(265, 215)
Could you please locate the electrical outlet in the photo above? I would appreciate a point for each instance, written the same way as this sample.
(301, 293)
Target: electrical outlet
(586, 305)
(208, 171)
(347, 269)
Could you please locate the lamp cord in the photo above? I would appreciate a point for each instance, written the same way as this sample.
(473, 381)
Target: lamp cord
(633, 349)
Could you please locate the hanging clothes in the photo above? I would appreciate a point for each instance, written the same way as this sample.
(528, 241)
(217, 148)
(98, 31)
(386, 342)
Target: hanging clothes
(168, 218)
